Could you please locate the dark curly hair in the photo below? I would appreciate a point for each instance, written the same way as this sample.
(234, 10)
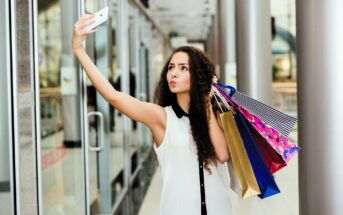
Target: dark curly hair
(202, 71)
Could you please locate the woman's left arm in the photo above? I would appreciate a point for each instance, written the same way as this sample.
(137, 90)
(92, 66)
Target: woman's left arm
(218, 139)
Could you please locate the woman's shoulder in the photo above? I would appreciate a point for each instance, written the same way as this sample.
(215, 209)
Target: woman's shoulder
(159, 132)
(164, 113)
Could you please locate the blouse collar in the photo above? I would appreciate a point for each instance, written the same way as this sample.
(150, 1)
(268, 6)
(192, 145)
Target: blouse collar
(178, 110)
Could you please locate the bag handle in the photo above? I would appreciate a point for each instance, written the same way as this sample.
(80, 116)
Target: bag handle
(232, 89)
(226, 96)
(216, 94)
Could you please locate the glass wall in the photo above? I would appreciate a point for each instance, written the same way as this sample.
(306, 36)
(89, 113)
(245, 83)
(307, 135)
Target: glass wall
(6, 191)
(58, 116)
(144, 87)
(60, 132)
(116, 133)
(133, 76)
(106, 165)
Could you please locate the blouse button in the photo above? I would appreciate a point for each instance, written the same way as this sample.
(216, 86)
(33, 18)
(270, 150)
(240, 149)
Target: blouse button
(202, 202)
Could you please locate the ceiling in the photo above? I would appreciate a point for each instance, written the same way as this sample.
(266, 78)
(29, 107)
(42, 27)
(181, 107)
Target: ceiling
(188, 18)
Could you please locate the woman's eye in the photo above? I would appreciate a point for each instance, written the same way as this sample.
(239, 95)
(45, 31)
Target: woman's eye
(184, 68)
(170, 68)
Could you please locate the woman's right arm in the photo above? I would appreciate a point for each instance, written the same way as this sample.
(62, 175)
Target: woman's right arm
(150, 114)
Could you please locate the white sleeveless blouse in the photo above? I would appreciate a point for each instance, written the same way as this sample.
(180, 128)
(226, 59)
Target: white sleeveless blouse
(177, 157)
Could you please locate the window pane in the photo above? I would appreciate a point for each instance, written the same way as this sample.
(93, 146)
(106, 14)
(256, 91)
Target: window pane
(61, 146)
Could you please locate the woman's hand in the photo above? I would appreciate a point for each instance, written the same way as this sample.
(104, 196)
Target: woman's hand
(80, 33)
(214, 80)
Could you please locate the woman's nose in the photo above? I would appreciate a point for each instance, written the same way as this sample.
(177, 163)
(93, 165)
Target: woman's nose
(174, 73)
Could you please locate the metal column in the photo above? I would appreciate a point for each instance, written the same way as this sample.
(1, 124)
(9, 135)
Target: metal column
(68, 74)
(254, 60)
(227, 22)
(320, 89)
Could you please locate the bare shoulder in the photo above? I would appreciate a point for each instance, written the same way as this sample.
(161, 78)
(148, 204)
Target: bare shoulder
(161, 115)
(158, 130)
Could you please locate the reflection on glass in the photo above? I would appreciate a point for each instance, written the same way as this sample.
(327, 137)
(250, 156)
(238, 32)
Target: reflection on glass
(114, 133)
(144, 94)
(133, 65)
(116, 118)
(61, 152)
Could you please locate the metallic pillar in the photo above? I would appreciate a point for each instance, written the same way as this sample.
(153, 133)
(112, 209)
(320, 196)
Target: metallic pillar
(5, 109)
(70, 98)
(254, 61)
(23, 82)
(320, 89)
(228, 66)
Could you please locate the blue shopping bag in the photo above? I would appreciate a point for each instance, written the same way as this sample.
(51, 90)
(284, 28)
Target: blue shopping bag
(263, 176)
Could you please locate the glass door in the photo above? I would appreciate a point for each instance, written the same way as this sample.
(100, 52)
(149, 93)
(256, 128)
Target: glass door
(61, 146)
(105, 131)
(133, 26)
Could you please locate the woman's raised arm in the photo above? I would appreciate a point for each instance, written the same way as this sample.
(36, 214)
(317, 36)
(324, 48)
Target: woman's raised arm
(150, 114)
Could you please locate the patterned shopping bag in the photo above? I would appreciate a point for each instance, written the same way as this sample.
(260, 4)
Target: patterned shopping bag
(282, 122)
(279, 142)
(264, 177)
(272, 159)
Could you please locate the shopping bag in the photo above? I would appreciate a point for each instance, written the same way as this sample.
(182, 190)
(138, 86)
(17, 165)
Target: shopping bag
(282, 122)
(243, 175)
(279, 142)
(264, 177)
(272, 159)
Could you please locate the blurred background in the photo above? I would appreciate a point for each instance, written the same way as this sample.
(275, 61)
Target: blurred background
(64, 150)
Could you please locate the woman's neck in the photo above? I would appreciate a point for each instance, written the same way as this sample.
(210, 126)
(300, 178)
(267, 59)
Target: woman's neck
(183, 99)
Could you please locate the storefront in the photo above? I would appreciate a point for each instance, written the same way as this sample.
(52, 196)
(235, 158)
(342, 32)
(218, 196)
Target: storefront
(64, 149)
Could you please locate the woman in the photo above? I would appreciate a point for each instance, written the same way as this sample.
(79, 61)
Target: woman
(187, 135)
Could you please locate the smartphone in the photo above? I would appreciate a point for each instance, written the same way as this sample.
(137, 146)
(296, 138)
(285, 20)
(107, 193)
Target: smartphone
(100, 17)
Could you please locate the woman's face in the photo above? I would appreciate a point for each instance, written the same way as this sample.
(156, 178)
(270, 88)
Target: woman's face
(178, 75)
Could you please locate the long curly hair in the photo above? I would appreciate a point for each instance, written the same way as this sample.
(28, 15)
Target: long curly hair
(202, 71)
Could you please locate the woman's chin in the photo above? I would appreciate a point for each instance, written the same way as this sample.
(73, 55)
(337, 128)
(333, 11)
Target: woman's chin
(178, 91)
(173, 89)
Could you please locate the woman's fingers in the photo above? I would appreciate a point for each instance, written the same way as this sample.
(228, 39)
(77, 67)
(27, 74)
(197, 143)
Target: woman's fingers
(90, 31)
(87, 22)
(82, 23)
(85, 17)
(80, 32)
(214, 79)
